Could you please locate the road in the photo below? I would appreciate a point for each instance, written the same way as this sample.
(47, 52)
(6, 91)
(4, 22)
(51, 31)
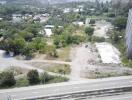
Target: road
(127, 96)
(66, 88)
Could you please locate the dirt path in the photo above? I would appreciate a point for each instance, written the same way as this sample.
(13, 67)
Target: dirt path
(81, 57)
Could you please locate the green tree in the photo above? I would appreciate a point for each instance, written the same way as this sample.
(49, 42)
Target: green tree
(57, 30)
(7, 79)
(39, 44)
(15, 45)
(89, 31)
(120, 22)
(33, 77)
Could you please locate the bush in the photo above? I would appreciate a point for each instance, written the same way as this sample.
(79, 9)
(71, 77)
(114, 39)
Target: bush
(33, 77)
(57, 79)
(46, 78)
(22, 82)
(111, 15)
(7, 79)
(89, 31)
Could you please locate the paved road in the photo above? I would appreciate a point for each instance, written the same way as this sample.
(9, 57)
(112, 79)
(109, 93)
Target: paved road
(126, 96)
(65, 88)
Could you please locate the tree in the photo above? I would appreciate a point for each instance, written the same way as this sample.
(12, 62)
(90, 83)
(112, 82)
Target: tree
(120, 22)
(39, 44)
(89, 31)
(15, 45)
(116, 37)
(28, 50)
(7, 79)
(33, 77)
(57, 30)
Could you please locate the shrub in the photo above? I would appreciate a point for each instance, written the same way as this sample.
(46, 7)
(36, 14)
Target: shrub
(57, 79)
(22, 82)
(89, 31)
(7, 79)
(33, 77)
(45, 77)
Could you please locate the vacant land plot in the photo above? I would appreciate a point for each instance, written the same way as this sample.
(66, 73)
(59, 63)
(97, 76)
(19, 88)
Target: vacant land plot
(108, 53)
(107, 70)
(52, 67)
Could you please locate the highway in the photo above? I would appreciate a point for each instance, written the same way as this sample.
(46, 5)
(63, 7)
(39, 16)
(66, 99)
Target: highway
(107, 87)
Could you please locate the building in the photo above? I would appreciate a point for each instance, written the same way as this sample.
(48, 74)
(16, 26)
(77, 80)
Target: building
(114, 2)
(79, 23)
(16, 18)
(129, 35)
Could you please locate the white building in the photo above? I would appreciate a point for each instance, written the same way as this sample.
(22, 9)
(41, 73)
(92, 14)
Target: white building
(129, 35)
(79, 23)
(87, 21)
(16, 18)
(48, 32)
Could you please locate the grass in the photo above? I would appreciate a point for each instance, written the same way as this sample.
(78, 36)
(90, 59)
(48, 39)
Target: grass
(64, 53)
(21, 82)
(57, 79)
(61, 69)
(53, 67)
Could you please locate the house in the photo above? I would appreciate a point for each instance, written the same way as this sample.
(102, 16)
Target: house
(42, 18)
(66, 10)
(79, 23)
(48, 32)
(16, 18)
(87, 21)
(49, 26)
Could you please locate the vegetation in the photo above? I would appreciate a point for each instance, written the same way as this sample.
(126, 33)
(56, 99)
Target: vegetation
(33, 77)
(46, 78)
(64, 53)
(120, 22)
(67, 37)
(61, 69)
(21, 82)
(7, 79)
(89, 31)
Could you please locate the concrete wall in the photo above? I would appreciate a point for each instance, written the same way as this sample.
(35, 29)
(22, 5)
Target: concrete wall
(129, 35)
